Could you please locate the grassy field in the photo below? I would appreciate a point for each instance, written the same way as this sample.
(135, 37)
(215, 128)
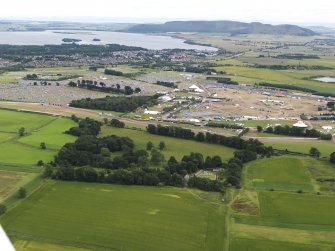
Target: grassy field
(130, 218)
(284, 219)
(174, 147)
(294, 77)
(10, 182)
(39, 128)
(298, 208)
(302, 146)
(279, 173)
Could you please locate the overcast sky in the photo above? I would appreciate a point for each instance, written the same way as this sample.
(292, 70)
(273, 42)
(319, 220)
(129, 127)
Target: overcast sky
(275, 11)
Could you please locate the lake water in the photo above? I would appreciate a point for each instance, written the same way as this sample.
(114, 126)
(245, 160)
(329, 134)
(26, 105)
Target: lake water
(129, 39)
(326, 80)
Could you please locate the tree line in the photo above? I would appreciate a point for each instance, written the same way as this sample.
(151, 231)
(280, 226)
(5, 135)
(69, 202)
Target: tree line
(234, 142)
(225, 125)
(297, 132)
(101, 87)
(117, 104)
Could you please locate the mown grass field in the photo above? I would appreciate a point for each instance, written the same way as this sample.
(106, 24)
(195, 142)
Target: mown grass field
(94, 216)
(284, 219)
(174, 147)
(296, 208)
(279, 173)
(39, 128)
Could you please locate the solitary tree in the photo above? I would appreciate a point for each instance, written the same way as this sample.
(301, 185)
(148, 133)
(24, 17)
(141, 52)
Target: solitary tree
(22, 131)
(161, 145)
(43, 146)
(40, 163)
(150, 145)
(22, 193)
(259, 129)
(3, 209)
(314, 152)
(332, 158)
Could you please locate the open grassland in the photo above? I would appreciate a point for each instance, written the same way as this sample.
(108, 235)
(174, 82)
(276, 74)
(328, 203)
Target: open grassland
(52, 134)
(283, 220)
(129, 218)
(16, 150)
(261, 238)
(10, 182)
(301, 145)
(279, 173)
(296, 208)
(294, 77)
(12, 121)
(174, 147)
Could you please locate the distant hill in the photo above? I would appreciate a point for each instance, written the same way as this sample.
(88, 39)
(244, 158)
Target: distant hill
(231, 27)
(322, 30)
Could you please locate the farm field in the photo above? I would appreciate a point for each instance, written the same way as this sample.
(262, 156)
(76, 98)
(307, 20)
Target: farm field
(283, 219)
(10, 182)
(174, 147)
(253, 75)
(142, 219)
(302, 146)
(279, 173)
(39, 128)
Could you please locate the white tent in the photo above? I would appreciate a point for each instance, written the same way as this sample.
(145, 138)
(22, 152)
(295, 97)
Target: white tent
(300, 124)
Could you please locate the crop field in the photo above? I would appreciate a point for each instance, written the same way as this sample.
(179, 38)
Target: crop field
(130, 218)
(279, 173)
(174, 147)
(39, 128)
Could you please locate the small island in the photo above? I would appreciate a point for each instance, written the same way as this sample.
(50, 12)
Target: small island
(96, 40)
(71, 40)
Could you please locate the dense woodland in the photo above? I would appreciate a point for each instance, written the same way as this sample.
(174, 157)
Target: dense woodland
(91, 159)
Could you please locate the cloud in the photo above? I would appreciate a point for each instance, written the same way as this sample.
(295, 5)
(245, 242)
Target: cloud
(303, 11)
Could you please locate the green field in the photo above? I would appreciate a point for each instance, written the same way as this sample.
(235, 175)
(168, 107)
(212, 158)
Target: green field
(302, 146)
(279, 173)
(129, 218)
(39, 128)
(174, 147)
(250, 75)
(10, 182)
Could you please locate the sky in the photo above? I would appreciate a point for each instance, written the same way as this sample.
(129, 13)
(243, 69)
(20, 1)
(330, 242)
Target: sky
(271, 11)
